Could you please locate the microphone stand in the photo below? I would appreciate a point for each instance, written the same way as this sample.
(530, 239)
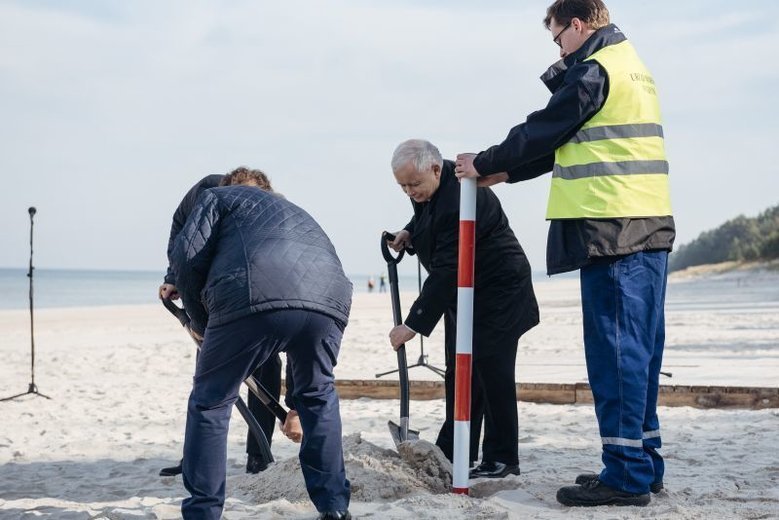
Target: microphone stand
(32, 388)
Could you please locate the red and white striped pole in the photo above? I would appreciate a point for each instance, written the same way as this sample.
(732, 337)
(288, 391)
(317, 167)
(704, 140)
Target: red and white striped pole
(464, 346)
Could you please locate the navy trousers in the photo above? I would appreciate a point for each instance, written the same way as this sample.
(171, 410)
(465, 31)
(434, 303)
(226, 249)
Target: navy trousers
(624, 334)
(231, 352)
(493, 402)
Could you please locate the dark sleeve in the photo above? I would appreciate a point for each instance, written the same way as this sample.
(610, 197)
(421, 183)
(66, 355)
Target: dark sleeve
(182, 212)
(532, 169)
(529, 145)
(193, 251)
(410, 226)
(179, 217)
(440, 287)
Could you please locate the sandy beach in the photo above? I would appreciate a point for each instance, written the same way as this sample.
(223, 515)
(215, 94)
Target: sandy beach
(119, 379)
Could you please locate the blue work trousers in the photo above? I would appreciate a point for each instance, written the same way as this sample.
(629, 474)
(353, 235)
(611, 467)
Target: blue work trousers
(231, 352)
(623, 303)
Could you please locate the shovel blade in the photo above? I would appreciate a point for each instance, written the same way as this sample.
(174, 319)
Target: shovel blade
(396, 431)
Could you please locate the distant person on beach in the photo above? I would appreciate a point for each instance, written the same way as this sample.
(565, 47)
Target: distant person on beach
(382, 283)
(504, 302)
(610, 217)
(269, 374)
(258, 276)
(371, 284)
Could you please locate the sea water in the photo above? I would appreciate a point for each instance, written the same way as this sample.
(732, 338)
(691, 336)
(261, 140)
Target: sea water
(77, 288)
(754, 292)
(86, 288)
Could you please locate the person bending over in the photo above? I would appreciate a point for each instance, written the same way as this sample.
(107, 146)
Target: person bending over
(269, 374)
(259, 276)
(504, 301)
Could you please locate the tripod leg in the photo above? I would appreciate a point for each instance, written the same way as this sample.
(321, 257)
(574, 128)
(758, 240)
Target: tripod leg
(386, 373)
(437, 370)
(13, 397)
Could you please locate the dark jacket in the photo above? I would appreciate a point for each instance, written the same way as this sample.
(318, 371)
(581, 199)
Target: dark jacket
(504, 302)
(183, 211)
(579, 90)
(244, 250)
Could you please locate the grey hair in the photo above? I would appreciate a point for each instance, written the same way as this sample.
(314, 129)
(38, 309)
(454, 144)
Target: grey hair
(422, 154)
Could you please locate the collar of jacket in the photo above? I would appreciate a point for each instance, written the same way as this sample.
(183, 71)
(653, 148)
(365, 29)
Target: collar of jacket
(447, 175)
(605, 36)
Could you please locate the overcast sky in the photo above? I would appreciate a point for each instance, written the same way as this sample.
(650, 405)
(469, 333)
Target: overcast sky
(110, 111)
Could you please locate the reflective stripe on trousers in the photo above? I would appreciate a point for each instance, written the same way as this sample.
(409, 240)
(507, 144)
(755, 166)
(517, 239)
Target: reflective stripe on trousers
(633, 443)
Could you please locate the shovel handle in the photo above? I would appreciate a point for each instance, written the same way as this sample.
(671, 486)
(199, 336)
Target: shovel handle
(386, 236)
(177, 311)
(262, 393)
(392, 271)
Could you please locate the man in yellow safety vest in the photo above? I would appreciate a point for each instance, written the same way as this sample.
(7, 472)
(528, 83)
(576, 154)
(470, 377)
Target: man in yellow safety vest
(610, 217)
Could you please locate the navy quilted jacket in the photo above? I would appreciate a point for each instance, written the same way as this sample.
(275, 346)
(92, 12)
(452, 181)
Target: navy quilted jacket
(243, 250)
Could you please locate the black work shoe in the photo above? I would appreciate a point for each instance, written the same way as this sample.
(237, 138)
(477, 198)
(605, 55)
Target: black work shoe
(171, 471)
(335, 515)
(255, 464)
(493, 470)
(596, 493)
(655, 487)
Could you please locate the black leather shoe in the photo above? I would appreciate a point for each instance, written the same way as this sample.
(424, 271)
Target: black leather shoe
(255, 464)
(335, 515)
(655, 487)
(596, 493)
(493, 470)
(171, 471)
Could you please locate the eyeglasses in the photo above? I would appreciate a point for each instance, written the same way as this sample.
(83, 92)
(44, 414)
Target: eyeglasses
(556, 39)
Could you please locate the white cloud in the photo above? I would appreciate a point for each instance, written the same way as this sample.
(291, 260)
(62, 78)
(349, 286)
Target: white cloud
(110, 115)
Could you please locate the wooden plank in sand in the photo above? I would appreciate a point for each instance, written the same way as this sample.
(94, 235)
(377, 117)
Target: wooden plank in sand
(579, 393)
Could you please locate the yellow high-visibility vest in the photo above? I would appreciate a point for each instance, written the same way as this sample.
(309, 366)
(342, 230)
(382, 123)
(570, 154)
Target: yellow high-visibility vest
(615, 166)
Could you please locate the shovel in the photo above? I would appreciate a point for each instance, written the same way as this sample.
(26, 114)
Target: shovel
(255, 387)
(400, 433)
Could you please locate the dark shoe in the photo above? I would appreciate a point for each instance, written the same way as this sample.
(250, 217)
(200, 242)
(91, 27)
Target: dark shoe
(255, 464)
(655, 487)
(493, 470)
(595, 493)
(171, 471)
(335, 515)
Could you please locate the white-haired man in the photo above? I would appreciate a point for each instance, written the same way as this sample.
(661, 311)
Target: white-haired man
(504, 302)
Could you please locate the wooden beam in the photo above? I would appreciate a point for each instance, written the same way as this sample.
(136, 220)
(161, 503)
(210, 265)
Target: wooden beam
(579, 393)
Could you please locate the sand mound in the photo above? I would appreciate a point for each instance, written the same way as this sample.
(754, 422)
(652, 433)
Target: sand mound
(376, 474)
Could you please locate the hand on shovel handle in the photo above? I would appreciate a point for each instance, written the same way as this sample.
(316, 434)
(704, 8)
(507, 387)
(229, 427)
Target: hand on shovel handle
(291, 427)
(400, 335)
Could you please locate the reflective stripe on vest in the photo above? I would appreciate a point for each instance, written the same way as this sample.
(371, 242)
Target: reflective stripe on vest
(615, 166)
(617, 132)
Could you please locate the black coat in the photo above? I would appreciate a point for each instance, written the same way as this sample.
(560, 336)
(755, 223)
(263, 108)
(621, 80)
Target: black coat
(244, 250)
(504, 302)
